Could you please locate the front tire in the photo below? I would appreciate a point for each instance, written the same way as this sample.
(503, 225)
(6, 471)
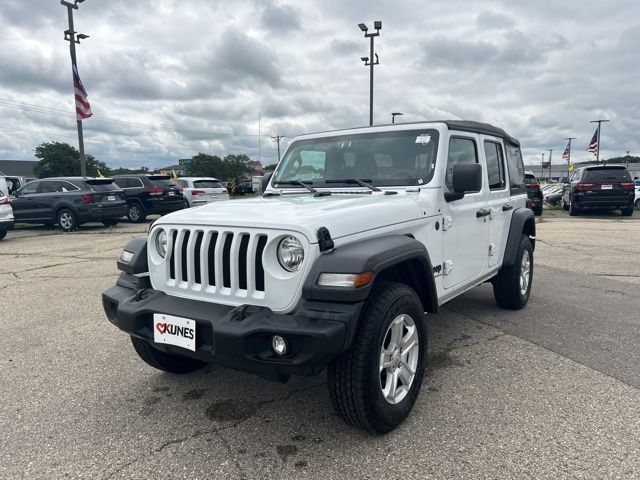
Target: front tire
(512, 285)
(573, 209)
(167, 362)
(375, 383)
(3, 233)
(627, 212)
(67, 220)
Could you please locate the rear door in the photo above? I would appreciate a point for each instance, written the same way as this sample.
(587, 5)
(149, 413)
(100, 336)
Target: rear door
(498, 200)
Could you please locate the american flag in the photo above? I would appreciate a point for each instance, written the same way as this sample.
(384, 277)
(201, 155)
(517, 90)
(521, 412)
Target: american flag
(567, 152)
(593, 146)
(83, 109)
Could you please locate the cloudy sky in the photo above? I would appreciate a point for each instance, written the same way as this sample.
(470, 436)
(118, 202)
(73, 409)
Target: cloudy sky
(170, 78)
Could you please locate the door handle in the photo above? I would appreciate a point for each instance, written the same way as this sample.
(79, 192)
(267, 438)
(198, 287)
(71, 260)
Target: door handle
(483, 212)
(507, 207)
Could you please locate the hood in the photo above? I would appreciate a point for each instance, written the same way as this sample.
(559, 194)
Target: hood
(342, 214)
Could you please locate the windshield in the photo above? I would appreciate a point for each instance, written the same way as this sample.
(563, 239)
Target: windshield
(383, 158)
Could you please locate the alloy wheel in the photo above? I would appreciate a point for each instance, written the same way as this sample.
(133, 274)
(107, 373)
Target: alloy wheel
(399, 354)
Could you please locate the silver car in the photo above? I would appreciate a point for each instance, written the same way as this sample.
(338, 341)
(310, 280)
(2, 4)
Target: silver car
(201, 190)
(6, 215)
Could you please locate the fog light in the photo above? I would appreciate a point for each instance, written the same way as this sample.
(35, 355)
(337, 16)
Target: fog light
(279, 345)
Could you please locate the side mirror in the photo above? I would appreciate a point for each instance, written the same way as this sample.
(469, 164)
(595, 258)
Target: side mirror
(466, 178)
(264, 183)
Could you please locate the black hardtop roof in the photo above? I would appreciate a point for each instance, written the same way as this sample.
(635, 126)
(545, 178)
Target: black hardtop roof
(460, 125)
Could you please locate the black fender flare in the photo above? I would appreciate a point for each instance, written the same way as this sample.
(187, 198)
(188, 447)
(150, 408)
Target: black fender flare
(138, 263)
(377, 255)
(522, 222)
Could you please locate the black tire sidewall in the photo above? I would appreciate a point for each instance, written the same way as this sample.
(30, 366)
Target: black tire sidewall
(393, 415)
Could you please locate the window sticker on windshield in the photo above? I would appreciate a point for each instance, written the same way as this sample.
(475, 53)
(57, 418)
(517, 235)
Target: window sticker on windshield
(423, 139)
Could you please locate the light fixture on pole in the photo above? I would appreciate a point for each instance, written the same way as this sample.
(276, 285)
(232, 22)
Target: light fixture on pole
(371, 60)
(394, 115)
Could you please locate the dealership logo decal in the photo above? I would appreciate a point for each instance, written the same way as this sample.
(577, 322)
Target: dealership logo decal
(185, 332)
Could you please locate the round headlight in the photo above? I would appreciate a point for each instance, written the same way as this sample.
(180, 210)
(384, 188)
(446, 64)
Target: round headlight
(290, 253)
(161, 243)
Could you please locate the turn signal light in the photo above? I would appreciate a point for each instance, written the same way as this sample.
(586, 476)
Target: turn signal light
(627, 185)
(345, 280)
(198, 192)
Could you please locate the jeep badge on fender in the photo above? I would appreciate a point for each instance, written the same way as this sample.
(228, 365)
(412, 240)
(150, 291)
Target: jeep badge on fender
(360, 235)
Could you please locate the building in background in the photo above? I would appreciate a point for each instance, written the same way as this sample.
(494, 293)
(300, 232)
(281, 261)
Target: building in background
(17, 168)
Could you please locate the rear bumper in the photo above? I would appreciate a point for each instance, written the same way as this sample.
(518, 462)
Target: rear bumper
(160, 206)
(238, 337)
(603, 201)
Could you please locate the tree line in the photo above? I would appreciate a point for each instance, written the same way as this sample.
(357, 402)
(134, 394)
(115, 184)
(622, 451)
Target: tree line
(59, 159)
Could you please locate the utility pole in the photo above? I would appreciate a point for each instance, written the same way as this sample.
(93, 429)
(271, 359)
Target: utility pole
(569, 157)
(599, 122)
(70, 36)
(369, 61)
(259, 135)
(277, 139)
(628, 151)
(542, 168)
(550, 152)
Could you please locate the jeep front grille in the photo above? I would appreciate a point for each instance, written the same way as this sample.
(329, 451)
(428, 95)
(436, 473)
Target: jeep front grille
(223, 262)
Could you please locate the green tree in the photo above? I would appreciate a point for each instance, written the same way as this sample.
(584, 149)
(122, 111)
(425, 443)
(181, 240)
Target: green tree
(59, 159)
(203, 165)
(236, 165)
(127, 171)
(270, 168)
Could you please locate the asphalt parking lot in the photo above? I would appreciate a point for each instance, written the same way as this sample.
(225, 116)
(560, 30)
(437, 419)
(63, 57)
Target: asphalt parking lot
(552, 391)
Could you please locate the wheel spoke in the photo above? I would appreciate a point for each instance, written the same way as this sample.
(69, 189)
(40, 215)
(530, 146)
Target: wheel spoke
(396, 333)
(393, 380)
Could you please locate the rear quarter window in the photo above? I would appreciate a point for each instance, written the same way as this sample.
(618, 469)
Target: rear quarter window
(515, 165)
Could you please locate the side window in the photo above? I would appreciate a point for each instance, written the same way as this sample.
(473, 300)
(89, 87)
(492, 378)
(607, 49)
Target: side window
(461, 151)
(121, 182)
(135, 182)
(495, 165)
(67, 187)
(48, 187)
(515, 166)
(29, 188)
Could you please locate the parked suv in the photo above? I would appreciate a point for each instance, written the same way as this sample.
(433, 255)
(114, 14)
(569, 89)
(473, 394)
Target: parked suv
(601, 186)
(149, 194)
(358, 234)
(201, 190)
(6, 215)
(69, 202)
(534, 192)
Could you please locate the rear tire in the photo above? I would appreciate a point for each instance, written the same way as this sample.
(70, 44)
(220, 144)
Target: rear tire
(573, 209)
(3, 233)
(538, 210)
(136, 213)
(627, 212)
(167, 362)
(512, 285)
(67, 220)
(392, 329)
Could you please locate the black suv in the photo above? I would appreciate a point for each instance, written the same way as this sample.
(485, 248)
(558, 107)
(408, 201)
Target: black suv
(149, 194)
(534, 192)
(601, 186)
(69, 202)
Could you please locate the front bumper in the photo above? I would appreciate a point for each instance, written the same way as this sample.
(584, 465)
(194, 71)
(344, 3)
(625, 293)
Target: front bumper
(238, 337)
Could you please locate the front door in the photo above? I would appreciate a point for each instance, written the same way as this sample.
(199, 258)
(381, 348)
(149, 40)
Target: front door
(23, 205)
(465, 226)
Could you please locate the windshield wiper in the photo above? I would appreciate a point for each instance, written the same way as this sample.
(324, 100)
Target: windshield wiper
(304, 184)
(362, 183)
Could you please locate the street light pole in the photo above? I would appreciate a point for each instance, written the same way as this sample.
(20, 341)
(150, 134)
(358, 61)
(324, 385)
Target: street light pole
(369, 61)
(550, 152)
(542, 168)
(599, 122)
(569, 157)
(70, 36)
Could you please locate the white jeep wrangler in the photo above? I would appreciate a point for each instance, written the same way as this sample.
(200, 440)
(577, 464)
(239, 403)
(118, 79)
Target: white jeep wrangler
(358, 234)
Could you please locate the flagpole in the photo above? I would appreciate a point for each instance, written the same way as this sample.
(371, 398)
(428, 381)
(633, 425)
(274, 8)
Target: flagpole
(599, 122)
(70, 36)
